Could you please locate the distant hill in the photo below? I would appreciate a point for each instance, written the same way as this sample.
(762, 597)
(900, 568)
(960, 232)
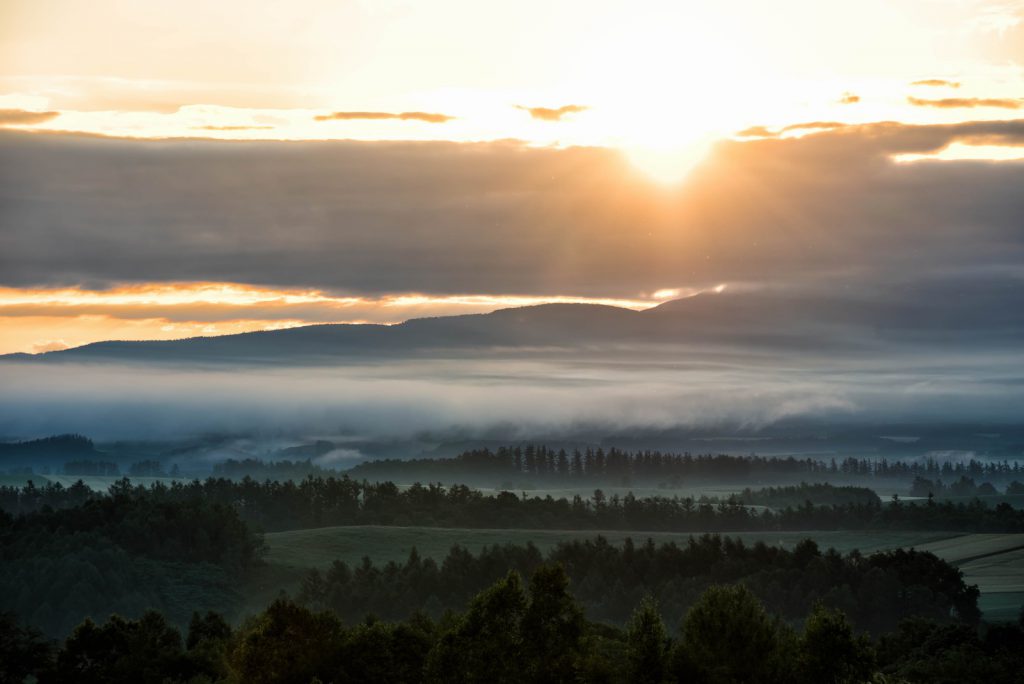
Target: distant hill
(544, 326)
(757, 318)
(49, 451)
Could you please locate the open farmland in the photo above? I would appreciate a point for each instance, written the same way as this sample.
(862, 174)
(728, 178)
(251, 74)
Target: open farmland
(965, 548)
(995, 562)
(1000, 576)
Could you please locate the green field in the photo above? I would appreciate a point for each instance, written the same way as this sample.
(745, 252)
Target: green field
(995, 562)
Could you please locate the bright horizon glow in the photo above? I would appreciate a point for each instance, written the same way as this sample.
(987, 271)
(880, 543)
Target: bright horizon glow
(962, 152)
(236, 294)
(44, 319)
(660, 81)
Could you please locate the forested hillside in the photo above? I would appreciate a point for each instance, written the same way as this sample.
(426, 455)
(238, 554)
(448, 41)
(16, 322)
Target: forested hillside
(122, 553)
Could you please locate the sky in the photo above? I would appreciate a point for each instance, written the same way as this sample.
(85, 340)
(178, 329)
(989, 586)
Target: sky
(172, 169)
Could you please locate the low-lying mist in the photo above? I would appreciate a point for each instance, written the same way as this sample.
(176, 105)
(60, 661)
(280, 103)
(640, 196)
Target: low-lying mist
(506, 398)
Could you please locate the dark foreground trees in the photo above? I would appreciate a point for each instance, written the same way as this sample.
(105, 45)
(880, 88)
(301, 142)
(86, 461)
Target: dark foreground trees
(508, 635)
(516, 633)
(23, 650)
(876, 591)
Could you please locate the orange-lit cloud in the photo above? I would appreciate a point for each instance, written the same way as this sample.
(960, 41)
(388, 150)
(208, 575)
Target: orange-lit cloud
(765, 132)
(34, 320)
(968, 102)
(849, 98)
(756, 132)
(427, 117)
(22, 117)
(52, 345)
(936, 83)
(812, 126)
(233, 128)
(389, 60)
(549, 114)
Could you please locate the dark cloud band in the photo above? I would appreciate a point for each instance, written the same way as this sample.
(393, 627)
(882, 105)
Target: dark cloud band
(828, 210)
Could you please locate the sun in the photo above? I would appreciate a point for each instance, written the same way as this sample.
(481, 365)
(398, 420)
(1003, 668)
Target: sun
(667, 84)
(669, 164)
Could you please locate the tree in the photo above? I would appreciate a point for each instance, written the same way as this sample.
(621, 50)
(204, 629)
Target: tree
(382, 652)
(287, 644)
(144, 650)
(207, 644)
(551, 628)
(728, 637)
(648, 643)
(23, 651)
(211, 627)
(830, 653)
(483, 645)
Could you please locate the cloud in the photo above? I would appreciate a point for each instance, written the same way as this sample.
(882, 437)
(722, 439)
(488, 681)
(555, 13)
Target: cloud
(968, 102)
(426, 117)
(21, 117)
(827, 210)
(49, 346)
(936, 83)
(756, 132)
(899, 138)
(548, 114)
(889, 138)
(345, 458)
(88, 93)
(765, 132)
(849, 98)
(812, 125)
(233, 128)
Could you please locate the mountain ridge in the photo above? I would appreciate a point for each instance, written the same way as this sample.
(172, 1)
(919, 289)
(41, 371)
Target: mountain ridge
(752, 319)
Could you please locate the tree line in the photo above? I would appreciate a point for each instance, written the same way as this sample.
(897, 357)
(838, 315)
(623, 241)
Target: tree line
(329, 501)
(618, 466)
(517, 632)
(818, 493)
(965, 486)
